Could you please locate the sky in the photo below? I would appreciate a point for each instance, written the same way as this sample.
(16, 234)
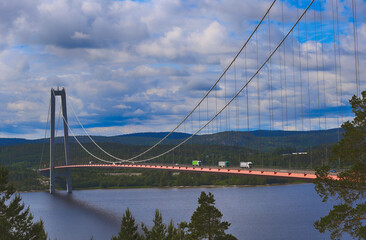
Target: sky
(139, 66)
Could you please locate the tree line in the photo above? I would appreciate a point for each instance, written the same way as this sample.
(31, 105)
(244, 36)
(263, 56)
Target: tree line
(99, 178)
(205, 224)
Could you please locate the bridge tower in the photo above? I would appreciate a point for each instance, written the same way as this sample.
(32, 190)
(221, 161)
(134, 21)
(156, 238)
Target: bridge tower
(61, 93)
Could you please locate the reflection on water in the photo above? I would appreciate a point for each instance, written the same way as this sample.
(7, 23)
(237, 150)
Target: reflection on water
(71, 201)
(69, 217)
(276, 212)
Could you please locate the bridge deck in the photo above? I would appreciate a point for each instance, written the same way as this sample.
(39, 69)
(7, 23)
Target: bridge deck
(291, 174)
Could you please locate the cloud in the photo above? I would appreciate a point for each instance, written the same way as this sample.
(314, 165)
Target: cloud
(80, 35)
(121, 106)
(143, 65)
(21, 106)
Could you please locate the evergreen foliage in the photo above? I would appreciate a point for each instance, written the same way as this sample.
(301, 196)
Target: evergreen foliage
(172, 232)
(128, 228)
(205, 224)
(158, 231)
(349, 216)
(352, 147)
(16, 222)
(206, 220)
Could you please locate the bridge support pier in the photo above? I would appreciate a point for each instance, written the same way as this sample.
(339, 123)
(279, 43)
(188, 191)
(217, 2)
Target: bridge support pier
(61, 93)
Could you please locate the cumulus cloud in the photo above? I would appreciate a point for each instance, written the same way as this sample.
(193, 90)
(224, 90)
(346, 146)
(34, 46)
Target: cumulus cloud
(121, 106)
(125, 63)
(21, 106)
(80, 35)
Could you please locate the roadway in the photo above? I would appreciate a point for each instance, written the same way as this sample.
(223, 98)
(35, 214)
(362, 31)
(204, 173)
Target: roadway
(264, 172)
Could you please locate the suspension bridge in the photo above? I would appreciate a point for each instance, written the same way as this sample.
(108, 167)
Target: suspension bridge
(273, 104)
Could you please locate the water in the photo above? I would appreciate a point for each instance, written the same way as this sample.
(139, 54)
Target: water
(273, 212)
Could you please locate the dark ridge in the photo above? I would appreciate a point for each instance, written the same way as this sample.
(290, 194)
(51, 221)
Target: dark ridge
(12, 141)
(268, 139)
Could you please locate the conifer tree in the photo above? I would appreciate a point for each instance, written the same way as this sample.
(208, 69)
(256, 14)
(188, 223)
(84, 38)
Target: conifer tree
(172, 232)
(128, 228)
(350, 190)
(158, 231)
(16, 221)
(206, 220)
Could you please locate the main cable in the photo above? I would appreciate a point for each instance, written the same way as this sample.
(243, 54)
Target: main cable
(45, 133)
(209, 91)
(227, 104)
(244, 87)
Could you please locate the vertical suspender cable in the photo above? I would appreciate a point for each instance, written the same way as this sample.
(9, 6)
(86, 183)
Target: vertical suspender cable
(259, 104)
(221, 128)
(324, 89)
(247, 98)
(284, 67)
(335, 59)
(186, 147)
(217, 125)
(300, 76)
(294, 89)
(199, 142)
(45, 133)
(355, 42)
(208, 129)
(270, 100)
(285, 79)
(282, 117)
(226, 111)
(229, 116)
(339, 64)
(237, 115)
(335, 69)
(317, 73)
(192, 137)
(199, 116)
(309, 102)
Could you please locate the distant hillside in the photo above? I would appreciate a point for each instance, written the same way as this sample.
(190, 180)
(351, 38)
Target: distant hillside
(13, 141)
(267, 140)
(267, 148)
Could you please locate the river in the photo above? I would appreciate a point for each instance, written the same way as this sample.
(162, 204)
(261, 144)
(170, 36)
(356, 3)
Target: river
(269, 212)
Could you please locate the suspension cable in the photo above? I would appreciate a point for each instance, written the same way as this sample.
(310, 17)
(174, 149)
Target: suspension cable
(244, 87)
(77, 140)
(112, 156)
(45, 133)
(223, 108)
(209, 91)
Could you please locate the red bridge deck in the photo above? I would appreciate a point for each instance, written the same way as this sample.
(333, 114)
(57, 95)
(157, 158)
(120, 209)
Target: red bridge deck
(265, 173)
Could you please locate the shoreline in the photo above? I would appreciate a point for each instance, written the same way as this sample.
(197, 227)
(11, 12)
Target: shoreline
(177, 187)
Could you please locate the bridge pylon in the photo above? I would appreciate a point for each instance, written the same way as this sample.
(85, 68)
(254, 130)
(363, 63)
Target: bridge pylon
(62, 94)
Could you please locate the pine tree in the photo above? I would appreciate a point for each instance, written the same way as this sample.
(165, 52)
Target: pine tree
(128, 228)
(350, 190)
(158, 231)
(16, 222)
(206, 220)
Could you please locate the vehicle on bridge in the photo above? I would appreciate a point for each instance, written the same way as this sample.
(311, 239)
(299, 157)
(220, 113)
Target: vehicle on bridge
(246, 164)
(196, 163)
(224, 163)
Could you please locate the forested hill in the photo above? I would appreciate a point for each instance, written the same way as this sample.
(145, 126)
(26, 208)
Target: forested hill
(13, 141)
(267, 148)
(269, 140)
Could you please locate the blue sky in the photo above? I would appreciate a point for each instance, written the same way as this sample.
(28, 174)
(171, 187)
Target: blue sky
(136, 66)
